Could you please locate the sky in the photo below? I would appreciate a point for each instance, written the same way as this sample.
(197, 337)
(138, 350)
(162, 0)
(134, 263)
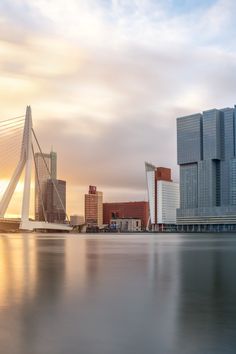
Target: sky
(106, 80)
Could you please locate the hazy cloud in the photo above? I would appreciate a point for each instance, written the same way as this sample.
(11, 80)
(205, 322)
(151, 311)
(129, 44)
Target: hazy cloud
(107, 79)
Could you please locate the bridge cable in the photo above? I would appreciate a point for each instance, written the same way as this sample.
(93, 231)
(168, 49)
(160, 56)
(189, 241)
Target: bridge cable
(10, 124)
(4, 128)
(39, 186)
(9, 119)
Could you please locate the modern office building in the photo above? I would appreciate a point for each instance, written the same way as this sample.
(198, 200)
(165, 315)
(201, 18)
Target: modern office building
(120, 210)
(56, 201)
(206, 144)
(94, 208)
(41, 177)
(163, 198)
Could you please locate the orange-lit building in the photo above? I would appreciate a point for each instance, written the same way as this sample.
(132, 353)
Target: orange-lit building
(94, 207)
(136, 210)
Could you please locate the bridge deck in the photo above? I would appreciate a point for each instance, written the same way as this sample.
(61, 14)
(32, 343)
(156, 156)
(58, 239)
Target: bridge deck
(14, 225)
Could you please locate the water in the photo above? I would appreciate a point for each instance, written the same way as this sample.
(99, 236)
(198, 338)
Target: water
(115, 294)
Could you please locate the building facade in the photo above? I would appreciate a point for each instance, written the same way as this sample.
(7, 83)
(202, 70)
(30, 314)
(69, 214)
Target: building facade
(41, 177)
(126, 225)
(94, 208)
(56, 201)
(135, 210)
(163, 197)
(76, 220)
(206, 153)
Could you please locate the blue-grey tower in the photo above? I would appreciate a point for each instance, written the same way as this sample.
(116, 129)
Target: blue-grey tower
(206, 149)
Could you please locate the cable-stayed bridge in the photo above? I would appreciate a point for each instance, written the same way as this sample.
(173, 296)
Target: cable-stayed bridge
(18, 138)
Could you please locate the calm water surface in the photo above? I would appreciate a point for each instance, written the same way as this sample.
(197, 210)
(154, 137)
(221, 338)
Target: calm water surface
(115, 294)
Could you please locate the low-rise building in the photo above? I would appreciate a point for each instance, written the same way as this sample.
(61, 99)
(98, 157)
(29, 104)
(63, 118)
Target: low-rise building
(126, 225)
(122, 210)
(76, 220)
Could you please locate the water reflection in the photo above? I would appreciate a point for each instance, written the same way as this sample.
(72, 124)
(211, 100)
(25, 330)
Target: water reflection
(152, 294)
(17, 266)
(32, 273)
(207, 298)
(50, 268)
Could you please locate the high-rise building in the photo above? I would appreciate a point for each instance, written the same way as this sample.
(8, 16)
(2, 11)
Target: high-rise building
(41, 177)
(56, 201)
(134, 210)
(94, 207)
(206, 145)
(163, 197)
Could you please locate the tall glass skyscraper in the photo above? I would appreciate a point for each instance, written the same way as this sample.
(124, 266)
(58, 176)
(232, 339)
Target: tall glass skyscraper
(41, 180)
(206, 145)
(56, 201)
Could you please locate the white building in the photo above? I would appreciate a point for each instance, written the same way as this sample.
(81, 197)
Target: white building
(126, 225)
(163, 197)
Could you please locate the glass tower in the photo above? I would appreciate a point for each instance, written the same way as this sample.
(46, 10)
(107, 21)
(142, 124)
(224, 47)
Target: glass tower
(206, 153)
(41, 180)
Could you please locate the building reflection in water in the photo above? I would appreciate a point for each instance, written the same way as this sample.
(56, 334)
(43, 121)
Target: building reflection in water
(32, 274)
(207, 296)
(126, 294)
(17, 269)
(44, 309)
(106, 294)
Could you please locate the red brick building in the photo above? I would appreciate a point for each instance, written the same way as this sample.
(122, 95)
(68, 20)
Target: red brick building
(163, 174)
(139, 210)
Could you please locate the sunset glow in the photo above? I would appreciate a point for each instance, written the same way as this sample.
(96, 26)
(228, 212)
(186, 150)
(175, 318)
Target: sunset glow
(107, 79)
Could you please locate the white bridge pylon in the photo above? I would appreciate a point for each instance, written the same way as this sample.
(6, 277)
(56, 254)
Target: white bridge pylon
(25, 161)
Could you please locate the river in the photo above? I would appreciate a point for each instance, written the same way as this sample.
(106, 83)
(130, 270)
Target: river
(118, 294)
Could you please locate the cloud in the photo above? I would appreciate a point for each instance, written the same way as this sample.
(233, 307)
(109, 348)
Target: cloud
(107, 79)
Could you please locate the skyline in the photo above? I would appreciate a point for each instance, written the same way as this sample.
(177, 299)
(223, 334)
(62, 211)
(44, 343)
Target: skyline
(122, 71)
